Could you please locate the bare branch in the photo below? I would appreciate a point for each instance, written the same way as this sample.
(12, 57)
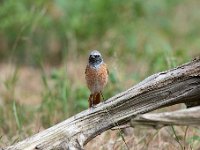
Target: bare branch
(179, 85)
(183, 117)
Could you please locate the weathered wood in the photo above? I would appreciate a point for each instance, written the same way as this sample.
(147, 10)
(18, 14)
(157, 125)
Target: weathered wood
(182, 117)
(179, 85)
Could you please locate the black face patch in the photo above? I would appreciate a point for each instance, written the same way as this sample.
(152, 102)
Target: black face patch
(95, 60)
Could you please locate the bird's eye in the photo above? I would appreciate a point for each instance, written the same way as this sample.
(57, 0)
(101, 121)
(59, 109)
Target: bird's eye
(96, 56)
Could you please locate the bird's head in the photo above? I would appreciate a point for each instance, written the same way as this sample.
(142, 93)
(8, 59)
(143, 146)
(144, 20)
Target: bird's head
(95, 58)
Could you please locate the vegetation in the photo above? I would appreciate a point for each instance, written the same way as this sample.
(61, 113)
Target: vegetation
(44, 47)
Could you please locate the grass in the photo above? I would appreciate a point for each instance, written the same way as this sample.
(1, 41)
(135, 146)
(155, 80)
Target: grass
(44, 47)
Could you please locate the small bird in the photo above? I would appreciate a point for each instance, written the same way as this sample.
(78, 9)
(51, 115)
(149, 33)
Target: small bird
(96, 75)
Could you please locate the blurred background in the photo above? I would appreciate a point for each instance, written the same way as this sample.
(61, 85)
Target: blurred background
(44, 47)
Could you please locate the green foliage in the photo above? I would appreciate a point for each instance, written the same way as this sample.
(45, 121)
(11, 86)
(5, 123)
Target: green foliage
(18, 122)
(194, 138)
(48, 28)
(13, 116)
(60, 99)
(55, 97)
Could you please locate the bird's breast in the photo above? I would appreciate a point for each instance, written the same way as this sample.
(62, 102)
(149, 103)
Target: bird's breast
(96, 78)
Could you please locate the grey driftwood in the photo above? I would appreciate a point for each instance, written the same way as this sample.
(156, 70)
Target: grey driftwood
(183, 117)
(178, 85)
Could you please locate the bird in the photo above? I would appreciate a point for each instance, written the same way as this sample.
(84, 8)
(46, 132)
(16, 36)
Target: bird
(96, 75)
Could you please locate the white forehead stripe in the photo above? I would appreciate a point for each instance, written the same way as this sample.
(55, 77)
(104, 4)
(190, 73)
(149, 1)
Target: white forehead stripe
(95, 52)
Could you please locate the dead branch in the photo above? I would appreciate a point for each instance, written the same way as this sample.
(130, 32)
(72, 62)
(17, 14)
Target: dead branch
(178, 85)
(182, 117)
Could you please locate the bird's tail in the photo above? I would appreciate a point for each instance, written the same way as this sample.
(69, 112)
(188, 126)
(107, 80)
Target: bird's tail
(94, 99)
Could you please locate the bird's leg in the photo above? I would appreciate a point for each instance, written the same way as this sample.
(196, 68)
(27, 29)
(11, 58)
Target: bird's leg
(102, 95)
(95, 99)
(98, 98)
(91, 100)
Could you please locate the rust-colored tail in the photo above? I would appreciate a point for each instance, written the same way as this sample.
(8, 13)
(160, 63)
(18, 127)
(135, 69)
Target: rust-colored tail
(94, 99)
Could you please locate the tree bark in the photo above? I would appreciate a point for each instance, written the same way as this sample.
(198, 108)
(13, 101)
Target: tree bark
(182, 117)
(178, 85)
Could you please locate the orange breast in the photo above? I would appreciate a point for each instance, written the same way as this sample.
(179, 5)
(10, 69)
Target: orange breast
(96, 78)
